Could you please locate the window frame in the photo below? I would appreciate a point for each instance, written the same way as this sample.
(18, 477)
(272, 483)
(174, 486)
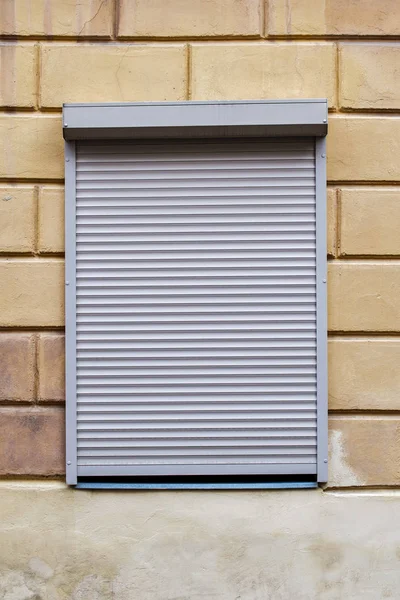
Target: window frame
(167, 120)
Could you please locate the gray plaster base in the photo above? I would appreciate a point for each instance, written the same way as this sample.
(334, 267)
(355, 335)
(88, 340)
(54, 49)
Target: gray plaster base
(61, 544)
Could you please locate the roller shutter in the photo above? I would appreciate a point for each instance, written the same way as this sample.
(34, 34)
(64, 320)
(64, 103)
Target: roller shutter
(196, 325)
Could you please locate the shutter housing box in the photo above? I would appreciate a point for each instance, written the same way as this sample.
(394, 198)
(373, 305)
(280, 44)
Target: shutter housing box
(196, 289)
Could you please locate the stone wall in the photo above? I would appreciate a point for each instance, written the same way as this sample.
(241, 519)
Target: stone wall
(55, 51)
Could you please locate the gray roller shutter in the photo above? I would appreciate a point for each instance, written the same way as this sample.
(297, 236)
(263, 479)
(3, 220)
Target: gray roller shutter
(196, 295)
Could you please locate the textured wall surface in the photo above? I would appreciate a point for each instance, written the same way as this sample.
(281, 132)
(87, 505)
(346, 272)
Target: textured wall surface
(307, 545)
(55, 51)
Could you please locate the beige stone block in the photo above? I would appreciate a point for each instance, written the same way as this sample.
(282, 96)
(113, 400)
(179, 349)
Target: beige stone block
(370, 222)
(189, 18)
(17, 367)
(364, 451)
(333, 17)
(364, 297)
(363, 148)
(31, 147)
(32, 293)
(51, 219)
(18, 75)
(369, 76)
(112, 73)
(296, 17)
(253, 70)
(17, 218)
(364, 374)
(31, 441)
(75, 18)
(331, 222)
(51, 367)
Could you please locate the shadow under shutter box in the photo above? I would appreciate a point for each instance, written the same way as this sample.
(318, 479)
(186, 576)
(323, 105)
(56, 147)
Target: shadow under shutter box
(196, 289)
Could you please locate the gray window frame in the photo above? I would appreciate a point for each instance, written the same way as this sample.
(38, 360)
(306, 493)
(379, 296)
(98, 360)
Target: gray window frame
(166, 120)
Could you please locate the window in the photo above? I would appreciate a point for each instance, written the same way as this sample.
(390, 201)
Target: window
(196, 290)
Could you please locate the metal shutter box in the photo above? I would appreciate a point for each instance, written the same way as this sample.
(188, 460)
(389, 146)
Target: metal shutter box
(196, 296)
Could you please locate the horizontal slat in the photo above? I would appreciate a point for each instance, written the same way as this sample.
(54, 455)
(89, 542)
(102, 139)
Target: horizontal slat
(120, 304)
(240, 361)
(286, 245)
(262, 267)
(199, 357)
(186, 186)
(130, 319)
(142, 255)
(155, 354)
(124, 368)
(246, 233)
(155, 161)
(194, 267)
(168, 406)
(216, 435)
(198, 419)
(172, 156)
(105, 397)
(201, 153)
(172, 329)
(116, 465)
(186, 379)
(133, 314)
(206, 375)
(222, 294)
(106, 307)
(231, 172)
(110, 368)
(286, 222)
(192, 442)
(121, 429)
(111, 210)
(162, 453)
(254, 197)
(181, 171)
(126, 316)
(142, 162)
(189, 330)
(102, 387)
(179, 160)
(276, 249)
(254, 338)
(193, 258)
(131, 162)
(304, 274)
(276, 286)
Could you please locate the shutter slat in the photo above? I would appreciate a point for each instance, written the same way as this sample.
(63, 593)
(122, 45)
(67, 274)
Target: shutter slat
(117, 439)
(278, 211)
(181, 360)
(260, 200)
